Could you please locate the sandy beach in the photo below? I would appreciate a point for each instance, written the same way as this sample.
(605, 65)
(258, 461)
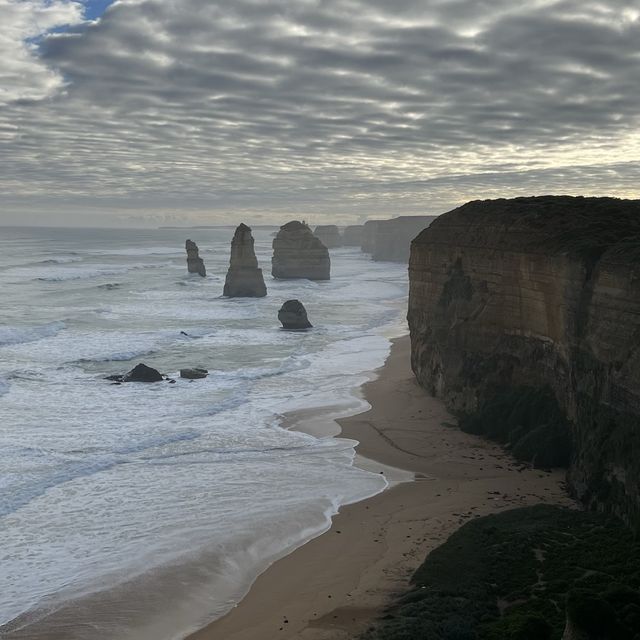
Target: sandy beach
(334, 586)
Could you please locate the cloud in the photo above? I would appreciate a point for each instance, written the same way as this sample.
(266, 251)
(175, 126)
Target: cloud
(23, 76)
(334, 105)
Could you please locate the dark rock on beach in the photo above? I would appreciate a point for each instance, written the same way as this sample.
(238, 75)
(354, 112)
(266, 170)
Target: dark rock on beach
(244, 278)
(195, 264)
(193, 374)
(293, 316)
(297, 253)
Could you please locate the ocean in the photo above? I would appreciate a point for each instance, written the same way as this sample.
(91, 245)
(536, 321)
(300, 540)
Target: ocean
(178, 493)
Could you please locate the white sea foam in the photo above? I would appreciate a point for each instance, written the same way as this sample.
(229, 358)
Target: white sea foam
(129, 476)
(19, 335)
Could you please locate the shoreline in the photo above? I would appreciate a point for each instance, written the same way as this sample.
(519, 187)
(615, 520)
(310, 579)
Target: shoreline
(335, 585)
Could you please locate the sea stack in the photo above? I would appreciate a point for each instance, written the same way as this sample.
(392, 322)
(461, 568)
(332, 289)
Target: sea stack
(297, 253)
(369, 229)
(329, 235)
(352, 235)
(195, 264)
(293, 316)
(244, 278)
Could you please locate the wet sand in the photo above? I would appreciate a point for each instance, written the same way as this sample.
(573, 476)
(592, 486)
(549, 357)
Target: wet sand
(334, 586)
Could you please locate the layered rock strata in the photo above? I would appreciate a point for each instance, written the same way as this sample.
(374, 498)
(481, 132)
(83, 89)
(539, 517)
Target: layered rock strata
(329, 235)
(297, 253)
(195, 264)
(293, 316)
(533, 305)
(352, 235)
(244, 278)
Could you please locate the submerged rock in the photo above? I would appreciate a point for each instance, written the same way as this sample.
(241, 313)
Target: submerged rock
(193, 374)
(329, 234)
(297, 253)
(244, 278)
(142, 373)
(293, 316)
(195, 264)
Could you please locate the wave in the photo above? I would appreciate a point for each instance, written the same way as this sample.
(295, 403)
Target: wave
(63, 468)
(4, 387)
(66, 260)
(19, 335)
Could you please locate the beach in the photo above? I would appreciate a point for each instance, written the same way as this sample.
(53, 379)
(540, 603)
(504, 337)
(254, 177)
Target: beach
(334, 586)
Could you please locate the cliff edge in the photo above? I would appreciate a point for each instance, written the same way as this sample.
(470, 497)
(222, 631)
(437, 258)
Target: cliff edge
(525, 318)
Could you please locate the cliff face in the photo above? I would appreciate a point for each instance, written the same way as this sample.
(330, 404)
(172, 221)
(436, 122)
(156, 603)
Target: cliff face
(512, 299)
(392, 239)
(297, 253)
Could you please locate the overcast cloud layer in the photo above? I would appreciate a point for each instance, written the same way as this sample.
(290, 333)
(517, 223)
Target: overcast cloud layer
(171, 111)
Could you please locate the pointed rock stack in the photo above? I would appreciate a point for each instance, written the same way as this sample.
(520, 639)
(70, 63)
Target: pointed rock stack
(244, 278)
(297, 253)
(329, 235)
(195, 264)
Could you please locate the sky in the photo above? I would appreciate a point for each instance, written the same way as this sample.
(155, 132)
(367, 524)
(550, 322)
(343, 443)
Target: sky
(186, 112)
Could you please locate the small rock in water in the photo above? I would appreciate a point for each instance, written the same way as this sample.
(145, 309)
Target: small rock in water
(142, 373)
(293, 316)
(193, 374)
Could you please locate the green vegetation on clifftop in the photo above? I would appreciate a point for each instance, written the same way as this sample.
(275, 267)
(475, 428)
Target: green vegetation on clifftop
(516, 575)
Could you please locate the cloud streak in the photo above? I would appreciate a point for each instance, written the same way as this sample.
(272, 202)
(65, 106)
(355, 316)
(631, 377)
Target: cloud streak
(335, 106)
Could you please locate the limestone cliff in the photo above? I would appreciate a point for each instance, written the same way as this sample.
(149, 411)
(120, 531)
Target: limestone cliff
(244, 278)
(390, 240)
(195, 264)
(525, 316)
(297, 253)
(329, 235)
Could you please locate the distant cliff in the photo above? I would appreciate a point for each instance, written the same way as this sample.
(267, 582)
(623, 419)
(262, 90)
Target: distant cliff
(525, 318)
(390, 240)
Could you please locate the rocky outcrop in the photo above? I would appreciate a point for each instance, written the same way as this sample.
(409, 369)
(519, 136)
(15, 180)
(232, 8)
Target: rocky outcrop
(525, 313)
(195, 264)
(392, 239)
(142, 373)
(329, 235)
(244, 278)
(293, 316)
(297, 253)
(352, 235)
(369, 230)
(193, 374)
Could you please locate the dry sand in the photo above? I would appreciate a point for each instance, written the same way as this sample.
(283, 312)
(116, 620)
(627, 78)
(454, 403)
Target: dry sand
(334, 586)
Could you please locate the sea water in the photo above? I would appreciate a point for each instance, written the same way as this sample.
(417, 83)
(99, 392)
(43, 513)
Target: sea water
(105, 485)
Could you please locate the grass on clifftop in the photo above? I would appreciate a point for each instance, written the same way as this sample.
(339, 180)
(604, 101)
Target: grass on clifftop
(514, 575)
